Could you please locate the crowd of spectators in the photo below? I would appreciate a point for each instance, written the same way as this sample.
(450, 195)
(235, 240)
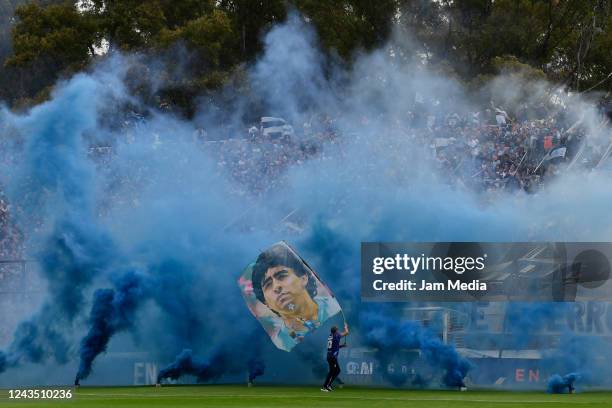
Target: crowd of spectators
(486, 151)
(507, 155)
(11, 270)
(11, 238)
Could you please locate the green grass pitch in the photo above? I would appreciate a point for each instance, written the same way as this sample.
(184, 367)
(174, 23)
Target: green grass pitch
(269, 396)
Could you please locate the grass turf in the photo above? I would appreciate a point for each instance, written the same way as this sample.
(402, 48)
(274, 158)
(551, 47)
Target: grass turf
(269, 396)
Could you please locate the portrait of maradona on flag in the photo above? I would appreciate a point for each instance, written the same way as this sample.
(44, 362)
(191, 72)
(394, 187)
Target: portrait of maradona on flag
(286, 295)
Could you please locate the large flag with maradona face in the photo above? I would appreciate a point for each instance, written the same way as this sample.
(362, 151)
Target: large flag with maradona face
(286, 295)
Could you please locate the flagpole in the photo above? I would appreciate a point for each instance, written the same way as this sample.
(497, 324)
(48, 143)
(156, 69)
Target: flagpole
(539, 164)
(605, 155)
(519, 165)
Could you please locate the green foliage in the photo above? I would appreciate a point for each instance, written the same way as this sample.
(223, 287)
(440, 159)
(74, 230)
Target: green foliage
(57, 34)
(509, 64)
(565, 41)
(251, 20)
(127, 24)
(210, 35)
(348, 26)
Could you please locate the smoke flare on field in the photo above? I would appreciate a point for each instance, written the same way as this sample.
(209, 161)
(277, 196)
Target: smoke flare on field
(558, 384)
(112, 311)
(389, 335)
(187, 364)
(256, 368)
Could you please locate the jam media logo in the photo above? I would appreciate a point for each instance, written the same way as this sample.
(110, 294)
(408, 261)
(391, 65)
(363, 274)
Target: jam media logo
(467, 271)
(548, 271)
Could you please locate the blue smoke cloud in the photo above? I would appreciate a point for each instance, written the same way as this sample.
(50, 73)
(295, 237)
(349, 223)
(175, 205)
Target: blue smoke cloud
(388, 334)
(72, 256)
(290, 76)
(54, 187)
(113, 310)
(187, 364)
(160, 204)
(257, 368)
(558, 384)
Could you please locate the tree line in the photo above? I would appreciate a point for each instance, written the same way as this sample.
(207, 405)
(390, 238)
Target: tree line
(566, 41)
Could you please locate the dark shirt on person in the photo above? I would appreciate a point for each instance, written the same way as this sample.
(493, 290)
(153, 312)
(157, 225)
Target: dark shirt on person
(333, 344)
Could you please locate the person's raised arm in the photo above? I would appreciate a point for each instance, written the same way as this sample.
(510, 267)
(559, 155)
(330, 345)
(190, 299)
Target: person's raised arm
(346, 330)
